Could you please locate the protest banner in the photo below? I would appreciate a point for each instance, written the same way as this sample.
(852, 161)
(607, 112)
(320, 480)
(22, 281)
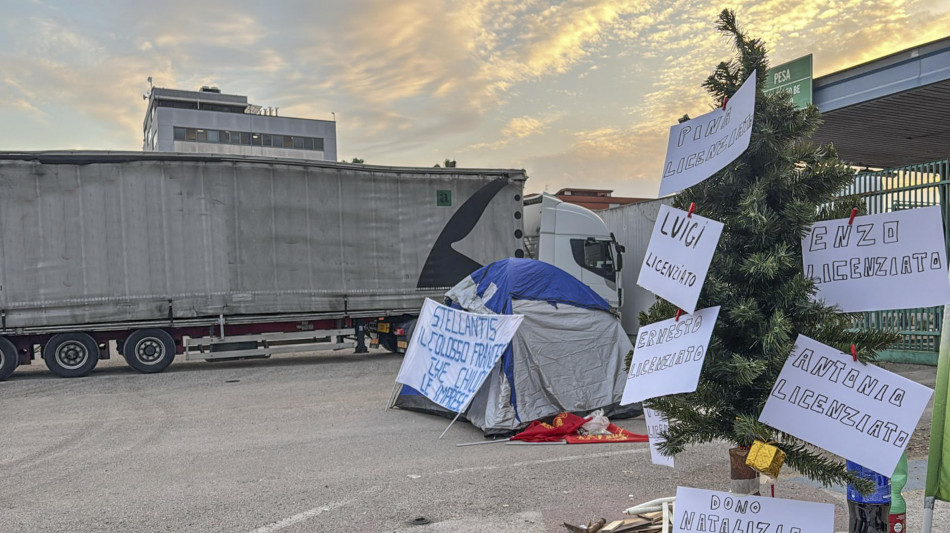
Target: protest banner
(451, 352)
(668, 356)
(656, 424)
(678, 256)
(700, 147)
(887, 261)
(710, 511)
(860, 412)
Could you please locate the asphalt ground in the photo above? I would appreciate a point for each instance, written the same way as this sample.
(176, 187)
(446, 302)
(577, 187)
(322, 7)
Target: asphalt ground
(302, 443)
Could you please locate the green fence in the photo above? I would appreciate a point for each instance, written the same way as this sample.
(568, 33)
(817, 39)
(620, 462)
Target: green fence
(908, 187)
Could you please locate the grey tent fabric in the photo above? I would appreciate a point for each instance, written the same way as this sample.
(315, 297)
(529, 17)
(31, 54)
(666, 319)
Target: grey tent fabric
(565, 358)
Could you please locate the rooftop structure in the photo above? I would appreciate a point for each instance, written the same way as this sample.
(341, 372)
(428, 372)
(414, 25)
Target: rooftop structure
(208, 121)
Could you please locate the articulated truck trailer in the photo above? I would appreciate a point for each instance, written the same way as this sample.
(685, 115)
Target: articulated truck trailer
(151, 255)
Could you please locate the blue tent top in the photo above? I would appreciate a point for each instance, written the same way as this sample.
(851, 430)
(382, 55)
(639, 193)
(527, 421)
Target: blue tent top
(530, 279)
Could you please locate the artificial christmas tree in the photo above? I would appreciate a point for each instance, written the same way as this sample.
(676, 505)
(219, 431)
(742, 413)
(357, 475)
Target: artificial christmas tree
(767, 198)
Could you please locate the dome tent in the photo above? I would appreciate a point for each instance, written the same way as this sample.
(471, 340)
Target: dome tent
(566, 356)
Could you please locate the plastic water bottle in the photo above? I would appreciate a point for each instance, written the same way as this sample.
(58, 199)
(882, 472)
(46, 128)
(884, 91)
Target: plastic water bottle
(898, 513)
(869, 514)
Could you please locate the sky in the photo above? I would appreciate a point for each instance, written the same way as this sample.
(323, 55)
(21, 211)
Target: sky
(578, 93)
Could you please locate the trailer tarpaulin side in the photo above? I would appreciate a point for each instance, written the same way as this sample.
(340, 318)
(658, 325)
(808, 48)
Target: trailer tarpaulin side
(98, 237)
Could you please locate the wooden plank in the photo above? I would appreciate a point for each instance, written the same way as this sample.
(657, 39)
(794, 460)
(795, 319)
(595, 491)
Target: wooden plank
(627, 524)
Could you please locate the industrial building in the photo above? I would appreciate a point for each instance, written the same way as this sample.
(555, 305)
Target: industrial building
(208, 121)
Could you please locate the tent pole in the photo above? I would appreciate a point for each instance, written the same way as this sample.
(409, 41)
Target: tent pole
(928, 514)
(482, 442)
(392, 397)
(450, 424)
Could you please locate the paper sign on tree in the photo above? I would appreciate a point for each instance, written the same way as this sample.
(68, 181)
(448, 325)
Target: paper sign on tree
(710, 511)
(887, 261)
(656, 424)
(452, 352)
(668, 356)
(700, 147)
(860, 412)
(678, 256)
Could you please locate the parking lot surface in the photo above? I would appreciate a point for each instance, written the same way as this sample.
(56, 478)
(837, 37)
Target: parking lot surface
(299, 443)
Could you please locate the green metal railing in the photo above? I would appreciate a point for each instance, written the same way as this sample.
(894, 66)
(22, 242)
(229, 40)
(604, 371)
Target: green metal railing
(908, 187)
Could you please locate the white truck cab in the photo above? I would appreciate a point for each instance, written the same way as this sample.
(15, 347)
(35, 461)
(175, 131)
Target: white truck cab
(576, 240)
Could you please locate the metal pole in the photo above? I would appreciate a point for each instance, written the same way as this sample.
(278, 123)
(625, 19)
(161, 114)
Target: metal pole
(928, 514)
(450, 425)
(482, 442)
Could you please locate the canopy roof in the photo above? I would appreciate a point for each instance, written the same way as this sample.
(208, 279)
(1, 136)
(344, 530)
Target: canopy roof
(891, 111)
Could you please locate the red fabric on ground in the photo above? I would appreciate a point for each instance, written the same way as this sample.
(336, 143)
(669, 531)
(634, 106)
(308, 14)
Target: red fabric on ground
(563, 424)
(617, 434)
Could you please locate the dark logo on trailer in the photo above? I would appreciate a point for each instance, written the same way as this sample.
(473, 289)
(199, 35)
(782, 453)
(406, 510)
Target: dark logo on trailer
(445, 266)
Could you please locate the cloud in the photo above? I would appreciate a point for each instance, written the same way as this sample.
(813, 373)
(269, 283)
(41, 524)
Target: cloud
(23, 105)
(631, 162)
(451, 63)
(575, 90)
(56, 66)
(521, 127)
(516, 129)
(203, 24)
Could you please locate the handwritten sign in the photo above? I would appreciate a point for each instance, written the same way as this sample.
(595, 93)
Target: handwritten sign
(860, 412)
(656, 424)
(668, 356)
(678, 256)
(700, 147)
(451, 353)
(710, 511)
(888, 261)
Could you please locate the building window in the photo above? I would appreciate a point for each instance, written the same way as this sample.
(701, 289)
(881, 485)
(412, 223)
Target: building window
(295, 142)
(178, 104)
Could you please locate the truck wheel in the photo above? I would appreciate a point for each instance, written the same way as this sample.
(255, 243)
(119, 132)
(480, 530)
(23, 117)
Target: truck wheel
(149, 350)
(71, 355)
(9, 358)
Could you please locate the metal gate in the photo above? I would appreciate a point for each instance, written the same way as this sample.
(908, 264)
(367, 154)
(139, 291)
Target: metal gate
(908, 187)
